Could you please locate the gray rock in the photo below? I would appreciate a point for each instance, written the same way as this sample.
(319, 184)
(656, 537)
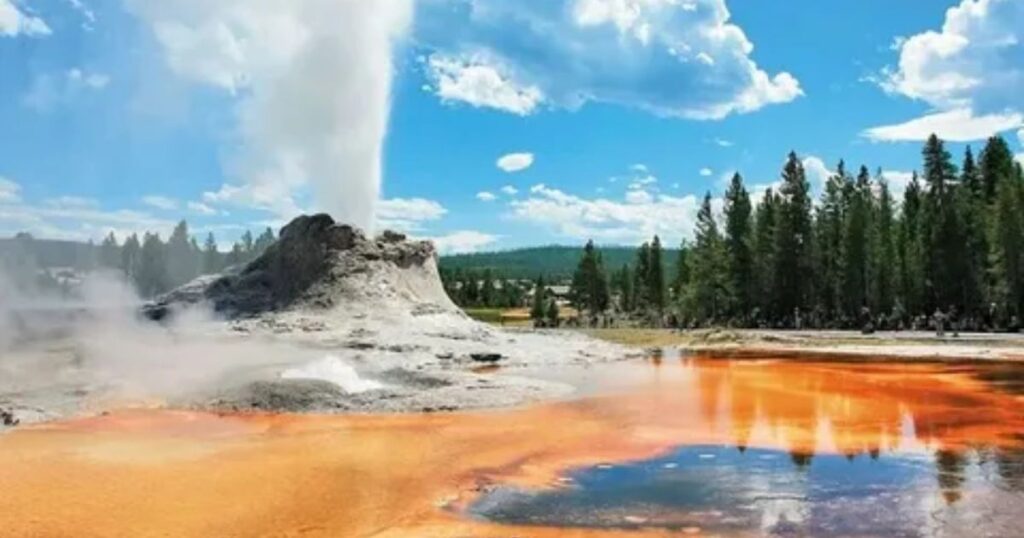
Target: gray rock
(306, 267)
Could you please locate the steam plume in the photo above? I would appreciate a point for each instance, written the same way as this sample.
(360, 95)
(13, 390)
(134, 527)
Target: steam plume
(313, 79)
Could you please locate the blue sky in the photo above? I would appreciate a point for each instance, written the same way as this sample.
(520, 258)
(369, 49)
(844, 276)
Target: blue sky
(613, 116)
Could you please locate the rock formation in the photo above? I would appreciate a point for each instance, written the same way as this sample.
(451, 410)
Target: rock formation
(319, 264)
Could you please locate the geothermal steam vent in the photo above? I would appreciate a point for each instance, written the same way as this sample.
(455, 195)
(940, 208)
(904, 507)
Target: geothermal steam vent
(318, 264)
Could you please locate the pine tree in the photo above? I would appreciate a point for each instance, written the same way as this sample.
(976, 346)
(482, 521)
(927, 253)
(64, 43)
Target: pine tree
(793, 261)
(884, 250)
(537, 311)
(131, 254)
(488, 294)
(764, 254)
(641, 278)
(682, 272)
(624, 286)
(656, 277)
(181, 264)
(971, 210)
(152, 278)
(996, 163)
(739, 264)
(910, 250)
(590, 284)
(829, 238)
(1007, 243)
(211, 258)
(943, 239)
(855, 246)
(110, 252)
(263, 242)
(708, 296)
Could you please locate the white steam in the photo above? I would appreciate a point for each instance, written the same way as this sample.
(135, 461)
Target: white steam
(64, 354)
(313, 83)
(335, 371)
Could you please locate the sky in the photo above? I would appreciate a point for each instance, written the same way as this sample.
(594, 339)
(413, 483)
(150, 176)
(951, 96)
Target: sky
(480, 124)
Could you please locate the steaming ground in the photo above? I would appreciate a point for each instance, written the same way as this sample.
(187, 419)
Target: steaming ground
(327, 321)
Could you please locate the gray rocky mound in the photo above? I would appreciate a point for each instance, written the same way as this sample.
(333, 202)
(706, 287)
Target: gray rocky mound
(318, 264)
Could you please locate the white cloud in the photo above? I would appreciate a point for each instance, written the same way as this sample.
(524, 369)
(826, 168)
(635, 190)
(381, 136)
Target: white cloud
(9, 191)
(312, 81)
(898, 181)
(160, 202)
(77, 222)
(485, 196)
(408, 214)
(15, 22)
(515, 162)
(463, 241)
(673, 58)
(706, 172)
(817, 172)
(467, 80)
(201, 208)
(721, 142)
(610, 221)
(273, 197)
(72, 202)
(958, 125)
(971, 69)
(49, 90)
(639, 197)
(510, 190)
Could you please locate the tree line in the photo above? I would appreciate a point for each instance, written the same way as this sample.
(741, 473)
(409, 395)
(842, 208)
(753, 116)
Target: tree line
(155, 266)
(469, 288)
(858, 258)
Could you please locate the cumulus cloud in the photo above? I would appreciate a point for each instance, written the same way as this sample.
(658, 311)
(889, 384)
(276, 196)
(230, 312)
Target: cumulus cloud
(467, 80)
(312, 80)
(632, 220)
(972, 69)
(959, 125)
(509, 190)
(485, 196)
(463, 241)
(673, 58)
(721, 142)
(14, 21)
(515, 162)
(706, 172)
(160, 202)
(408, 214)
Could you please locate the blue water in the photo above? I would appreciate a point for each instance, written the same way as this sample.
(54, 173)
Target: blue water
(770, 492)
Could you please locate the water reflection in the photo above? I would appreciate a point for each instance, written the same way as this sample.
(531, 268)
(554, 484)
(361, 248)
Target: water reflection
(809, 448)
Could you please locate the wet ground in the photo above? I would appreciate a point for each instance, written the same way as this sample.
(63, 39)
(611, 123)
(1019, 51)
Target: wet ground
(666, 447)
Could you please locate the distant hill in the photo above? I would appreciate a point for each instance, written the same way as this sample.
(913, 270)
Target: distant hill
(554, 261)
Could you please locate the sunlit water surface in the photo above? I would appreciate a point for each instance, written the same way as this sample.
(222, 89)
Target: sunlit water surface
(671, 446)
